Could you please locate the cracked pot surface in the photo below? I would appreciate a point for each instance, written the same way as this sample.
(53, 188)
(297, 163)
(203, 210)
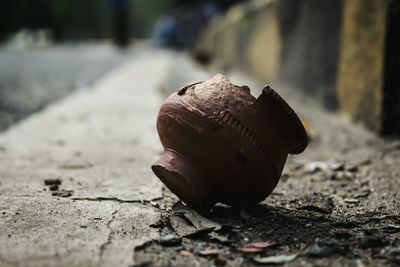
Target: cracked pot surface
(217, 135)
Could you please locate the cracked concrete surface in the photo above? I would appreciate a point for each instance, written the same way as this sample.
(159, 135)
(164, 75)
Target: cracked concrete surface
(103, 246)
(100, 144)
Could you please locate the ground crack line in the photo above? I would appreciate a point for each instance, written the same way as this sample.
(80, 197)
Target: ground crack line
(115, 199)
(110, 235)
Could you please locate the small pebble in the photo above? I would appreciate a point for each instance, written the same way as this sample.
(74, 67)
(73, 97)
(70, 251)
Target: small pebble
(352, 168)
(351, 200)
(362, 194)
(62, 193)
(392, 228)
(209, 252)
(53, 187)
(262, 244)
(170, 240)
(186, 253)
(220, 260)
(250, 250)
(52, 182)
(339, 166)
(319, 251)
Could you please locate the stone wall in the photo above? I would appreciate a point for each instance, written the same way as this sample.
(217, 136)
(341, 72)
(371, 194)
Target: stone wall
(310, 32)
(247, 38)
(360, 78)
(366, 56)
(342, 52)
(284, 40)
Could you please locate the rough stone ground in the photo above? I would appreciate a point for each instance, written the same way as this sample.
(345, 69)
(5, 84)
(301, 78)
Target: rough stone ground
(336, 205)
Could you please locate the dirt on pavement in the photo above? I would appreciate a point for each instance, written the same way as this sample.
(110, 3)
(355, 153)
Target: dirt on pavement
(337, 204)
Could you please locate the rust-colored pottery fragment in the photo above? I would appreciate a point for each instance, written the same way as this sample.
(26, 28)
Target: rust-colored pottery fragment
(223, 145)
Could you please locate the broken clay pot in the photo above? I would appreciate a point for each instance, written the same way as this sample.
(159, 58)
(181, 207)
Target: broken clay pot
(223, 145)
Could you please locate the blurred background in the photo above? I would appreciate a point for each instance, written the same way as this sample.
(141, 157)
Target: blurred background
(344, 54)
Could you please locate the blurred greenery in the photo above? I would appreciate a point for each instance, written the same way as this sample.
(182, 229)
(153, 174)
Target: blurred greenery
(145, 14)
(77, 19)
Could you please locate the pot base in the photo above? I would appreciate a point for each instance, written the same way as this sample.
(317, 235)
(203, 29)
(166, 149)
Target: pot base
(182, 177)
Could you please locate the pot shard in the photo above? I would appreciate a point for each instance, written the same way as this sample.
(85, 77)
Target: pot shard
(223, 145)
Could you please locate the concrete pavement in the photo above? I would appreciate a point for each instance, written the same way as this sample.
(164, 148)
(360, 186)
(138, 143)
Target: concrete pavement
(100, 144)
(341, 195)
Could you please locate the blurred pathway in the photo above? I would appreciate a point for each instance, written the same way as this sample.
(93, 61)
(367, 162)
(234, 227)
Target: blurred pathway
(32, 78)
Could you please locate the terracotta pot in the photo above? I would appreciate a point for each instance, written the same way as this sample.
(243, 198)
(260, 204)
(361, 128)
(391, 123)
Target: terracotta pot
(223, 145)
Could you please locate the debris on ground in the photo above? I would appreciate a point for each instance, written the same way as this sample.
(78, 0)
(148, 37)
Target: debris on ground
(220, 260)
(186, 222)
(244, 214)
(186, 253)
(363, 194)
(351, 200)
(250, 250)
(392, 228)
(209, 252)
(319, 251)
(317, 166)
(50, 182)
(279, 259)
(170, 240)
(333, 170)
(54, 187)
(374, 241)
(311, 132)
(262, 244)
(256, 247)
(219, 238)
(316, 202)
(292, 221)
(75, 165)
(62, 193)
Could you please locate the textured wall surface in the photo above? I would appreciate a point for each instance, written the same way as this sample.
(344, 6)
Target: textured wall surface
(247, 38)
(344, 53)
(285, 40)
(310, 32)
(360, 78)
(265, 44)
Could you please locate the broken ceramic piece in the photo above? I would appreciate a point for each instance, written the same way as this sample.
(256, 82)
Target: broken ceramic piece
(187, 222)
(223, 145)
